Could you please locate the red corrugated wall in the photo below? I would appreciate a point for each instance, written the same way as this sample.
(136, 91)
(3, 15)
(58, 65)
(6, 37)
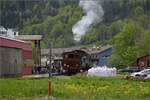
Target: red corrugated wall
(145, 60)
(26, 52)
(27, 69)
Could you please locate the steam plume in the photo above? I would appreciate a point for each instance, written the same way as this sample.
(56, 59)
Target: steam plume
(94, 14)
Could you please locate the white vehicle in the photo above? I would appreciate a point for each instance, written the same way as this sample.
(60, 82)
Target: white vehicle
(144, 72)
(147, 77)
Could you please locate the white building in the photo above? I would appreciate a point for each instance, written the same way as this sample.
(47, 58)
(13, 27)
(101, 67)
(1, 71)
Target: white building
(8, 32)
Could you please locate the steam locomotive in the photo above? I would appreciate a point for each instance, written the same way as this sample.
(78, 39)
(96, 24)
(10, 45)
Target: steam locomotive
(75, 61)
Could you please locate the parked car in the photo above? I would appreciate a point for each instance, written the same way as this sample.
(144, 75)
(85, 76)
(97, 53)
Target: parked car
(147, 77)
(129, 69)
(148, 68)
(144, 73)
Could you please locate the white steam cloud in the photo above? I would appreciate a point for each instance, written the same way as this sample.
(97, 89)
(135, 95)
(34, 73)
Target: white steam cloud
(94, 13)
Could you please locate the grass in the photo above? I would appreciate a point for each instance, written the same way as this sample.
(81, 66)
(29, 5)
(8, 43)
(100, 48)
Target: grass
(78, 87)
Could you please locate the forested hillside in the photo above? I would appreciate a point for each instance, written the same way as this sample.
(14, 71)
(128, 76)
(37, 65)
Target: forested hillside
(55, 18)
(125, 23)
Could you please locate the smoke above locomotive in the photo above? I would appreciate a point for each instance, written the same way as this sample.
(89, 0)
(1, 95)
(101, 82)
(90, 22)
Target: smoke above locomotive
(93, 14)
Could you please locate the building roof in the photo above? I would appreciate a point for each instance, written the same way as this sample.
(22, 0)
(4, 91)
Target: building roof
(13, 39)
(99, 50)
(14, 43)
(30, 37)
(148, 55)
(59, 51)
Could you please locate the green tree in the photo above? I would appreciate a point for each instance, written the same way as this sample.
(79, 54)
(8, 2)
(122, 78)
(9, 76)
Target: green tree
(115, 28)
(125, 42)
(138, 11)
(143, 45)
(57, 29)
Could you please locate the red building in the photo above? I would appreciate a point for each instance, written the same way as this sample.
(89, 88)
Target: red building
(15, 58)
(144, 61)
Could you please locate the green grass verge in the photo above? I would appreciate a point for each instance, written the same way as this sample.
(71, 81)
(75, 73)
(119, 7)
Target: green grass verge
(78, 87)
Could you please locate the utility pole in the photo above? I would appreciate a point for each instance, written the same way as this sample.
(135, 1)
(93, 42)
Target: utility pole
(50, 70)
(50, 60)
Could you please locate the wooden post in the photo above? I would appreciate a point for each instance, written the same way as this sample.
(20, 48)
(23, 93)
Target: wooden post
(49, 88)
(39, 52)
